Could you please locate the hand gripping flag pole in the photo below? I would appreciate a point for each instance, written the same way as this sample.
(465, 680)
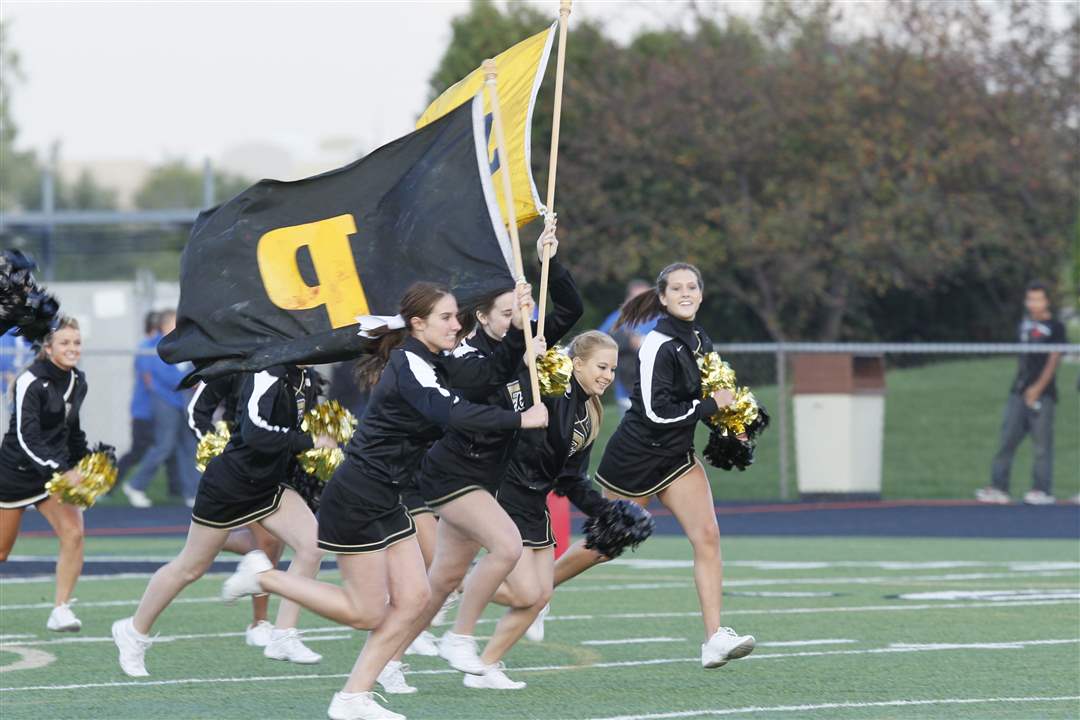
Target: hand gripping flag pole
(564, 15)
(490, 79)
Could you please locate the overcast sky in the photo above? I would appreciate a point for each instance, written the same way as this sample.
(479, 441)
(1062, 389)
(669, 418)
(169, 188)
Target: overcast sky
(157, 80)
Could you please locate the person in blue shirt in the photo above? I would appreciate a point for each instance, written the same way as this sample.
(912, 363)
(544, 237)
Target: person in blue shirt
(142, 417)
(629, 340)
(171, 437)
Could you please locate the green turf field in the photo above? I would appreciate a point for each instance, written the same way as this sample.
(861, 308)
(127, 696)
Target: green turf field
(847, 628)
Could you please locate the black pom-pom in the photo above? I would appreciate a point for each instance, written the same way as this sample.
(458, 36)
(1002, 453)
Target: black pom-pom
(23, 304)
(760, 423)
(727, 452)
(620, 525)
(306, 486)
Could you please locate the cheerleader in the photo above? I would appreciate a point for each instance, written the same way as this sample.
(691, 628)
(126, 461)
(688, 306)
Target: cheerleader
(224, 393)
(459, 477)
(651, 453)
(242, 486)
(362, 519)
(44, 438)
(556, 459)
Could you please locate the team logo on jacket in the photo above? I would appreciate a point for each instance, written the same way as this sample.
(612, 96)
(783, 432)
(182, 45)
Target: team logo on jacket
(517, 398)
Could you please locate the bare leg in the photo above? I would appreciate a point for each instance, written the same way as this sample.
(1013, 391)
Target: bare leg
(67, 523)
(273, 547)
(425, 535)
(530, 587)
(479, 516)
(577, 559)
(690, 499)
(294, 524)
(10, 519)
(454, 550)
(403, 565)
(240, 541)
(202, 546)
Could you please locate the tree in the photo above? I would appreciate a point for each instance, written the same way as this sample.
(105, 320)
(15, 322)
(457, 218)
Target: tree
(19, 170)
(175, 185)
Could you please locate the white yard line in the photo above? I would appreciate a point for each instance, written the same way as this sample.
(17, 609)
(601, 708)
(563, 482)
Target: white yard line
(633, 641)
(841, 706)
(543, 668)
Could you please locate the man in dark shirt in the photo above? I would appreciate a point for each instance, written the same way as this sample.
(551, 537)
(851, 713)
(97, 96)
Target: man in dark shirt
(1030, 408)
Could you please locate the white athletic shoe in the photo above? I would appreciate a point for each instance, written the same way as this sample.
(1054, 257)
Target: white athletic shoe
(359, 706)
(725, 645)
(494, 678)
(425, 644)
(536, 630)
(136, 497)
(992, 495)
(132, 646)
(1038, 497)
(447, 606)
(245, 581)
(62, 619)
(460, 652)
(259, 634)
(392, 679)
(286, 645)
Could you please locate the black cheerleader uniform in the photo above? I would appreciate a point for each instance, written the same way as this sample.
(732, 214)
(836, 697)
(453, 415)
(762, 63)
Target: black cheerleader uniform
(654, 443)
(223, 391)
(554, 459)
(244, 483)
(362, 509)
(44, 436)
(463, 461)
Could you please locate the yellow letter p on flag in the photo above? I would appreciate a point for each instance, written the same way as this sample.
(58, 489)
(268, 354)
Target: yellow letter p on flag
(521, 69)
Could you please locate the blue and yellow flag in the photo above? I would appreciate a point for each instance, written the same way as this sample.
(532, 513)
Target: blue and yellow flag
(521, 69)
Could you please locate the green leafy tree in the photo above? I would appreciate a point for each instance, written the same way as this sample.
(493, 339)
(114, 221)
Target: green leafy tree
(176, 185)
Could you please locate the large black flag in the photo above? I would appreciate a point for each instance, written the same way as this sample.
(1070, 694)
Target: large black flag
(279, 273)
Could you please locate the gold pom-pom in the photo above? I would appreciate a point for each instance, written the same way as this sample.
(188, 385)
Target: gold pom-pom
(716, 374)
(320, 463)
(211, 445)
(740, 414)
(554, 370)
(98, 470)
(327, 418)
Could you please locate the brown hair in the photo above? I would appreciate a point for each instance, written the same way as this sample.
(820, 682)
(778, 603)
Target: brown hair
(63, 322)
(418, 301)
(467, 315)
(647, 305)
(583, 346)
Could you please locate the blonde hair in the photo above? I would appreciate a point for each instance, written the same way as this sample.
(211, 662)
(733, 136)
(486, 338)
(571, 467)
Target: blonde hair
(63, 322)
(584, 346)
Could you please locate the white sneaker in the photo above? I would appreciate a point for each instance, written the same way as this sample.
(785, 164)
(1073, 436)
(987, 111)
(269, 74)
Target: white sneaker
(245, 581)
(460, 652)
(359, 706)
(132, 646)
(424, 644)
(392, 679)
(992, 495)
(493, 679)
(447, 606)
(725, 645)
(62, 619)
(1038, 497)
(136, 497)
(259, 634)
(286, 645)
(536, 630)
